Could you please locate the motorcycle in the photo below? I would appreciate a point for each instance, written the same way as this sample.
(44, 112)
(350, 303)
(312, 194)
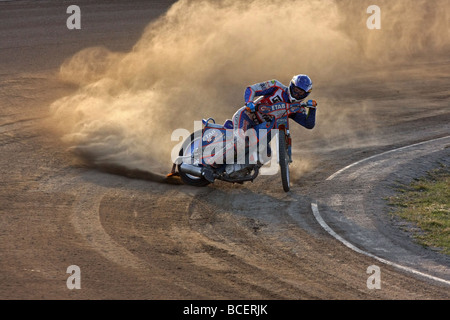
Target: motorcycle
(210, 153)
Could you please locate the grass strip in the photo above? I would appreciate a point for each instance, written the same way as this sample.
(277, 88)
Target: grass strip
(426, 204)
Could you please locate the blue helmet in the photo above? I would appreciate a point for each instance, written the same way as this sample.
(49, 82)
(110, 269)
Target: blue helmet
(300, 87)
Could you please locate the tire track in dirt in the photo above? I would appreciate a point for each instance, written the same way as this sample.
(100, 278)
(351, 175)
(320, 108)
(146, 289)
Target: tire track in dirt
(86, 221)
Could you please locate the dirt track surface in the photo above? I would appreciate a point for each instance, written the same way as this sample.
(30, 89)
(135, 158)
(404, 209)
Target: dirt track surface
(141, 239)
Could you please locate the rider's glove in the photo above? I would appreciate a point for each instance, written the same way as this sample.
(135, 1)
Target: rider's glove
(250, 106)
(311, 104)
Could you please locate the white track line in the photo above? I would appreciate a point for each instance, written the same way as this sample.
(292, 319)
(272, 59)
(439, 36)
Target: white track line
(319, 219)
(382, 154)
(316, 213)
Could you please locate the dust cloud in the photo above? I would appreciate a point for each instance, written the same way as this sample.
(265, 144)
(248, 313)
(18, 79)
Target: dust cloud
(196, 60)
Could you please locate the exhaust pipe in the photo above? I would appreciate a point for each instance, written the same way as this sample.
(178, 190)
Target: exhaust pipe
(191, 169)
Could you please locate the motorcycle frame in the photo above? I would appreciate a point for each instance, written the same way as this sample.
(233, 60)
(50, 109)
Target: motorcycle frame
(278, 113)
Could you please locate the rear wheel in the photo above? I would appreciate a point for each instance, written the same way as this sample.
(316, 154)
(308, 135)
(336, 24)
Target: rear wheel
(284, 161)
(190, 146)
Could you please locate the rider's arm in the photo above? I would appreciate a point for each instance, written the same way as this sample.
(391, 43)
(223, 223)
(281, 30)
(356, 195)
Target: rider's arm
(308, 119)
(261, 89)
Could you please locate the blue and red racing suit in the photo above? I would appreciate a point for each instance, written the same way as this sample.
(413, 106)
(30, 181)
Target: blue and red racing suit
(271, 92)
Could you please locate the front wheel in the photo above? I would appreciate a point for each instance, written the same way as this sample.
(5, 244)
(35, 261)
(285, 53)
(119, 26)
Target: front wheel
(284, 160)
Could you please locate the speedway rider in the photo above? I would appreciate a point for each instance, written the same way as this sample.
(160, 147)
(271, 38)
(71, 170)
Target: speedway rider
(272, 92)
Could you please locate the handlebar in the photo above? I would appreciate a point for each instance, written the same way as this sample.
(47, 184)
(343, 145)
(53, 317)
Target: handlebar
(308, 104)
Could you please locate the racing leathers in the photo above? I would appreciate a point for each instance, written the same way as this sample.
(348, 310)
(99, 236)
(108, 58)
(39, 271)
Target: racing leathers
(270, 92)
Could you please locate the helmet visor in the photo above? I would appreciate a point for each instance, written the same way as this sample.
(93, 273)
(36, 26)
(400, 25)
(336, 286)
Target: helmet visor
(298, 93)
